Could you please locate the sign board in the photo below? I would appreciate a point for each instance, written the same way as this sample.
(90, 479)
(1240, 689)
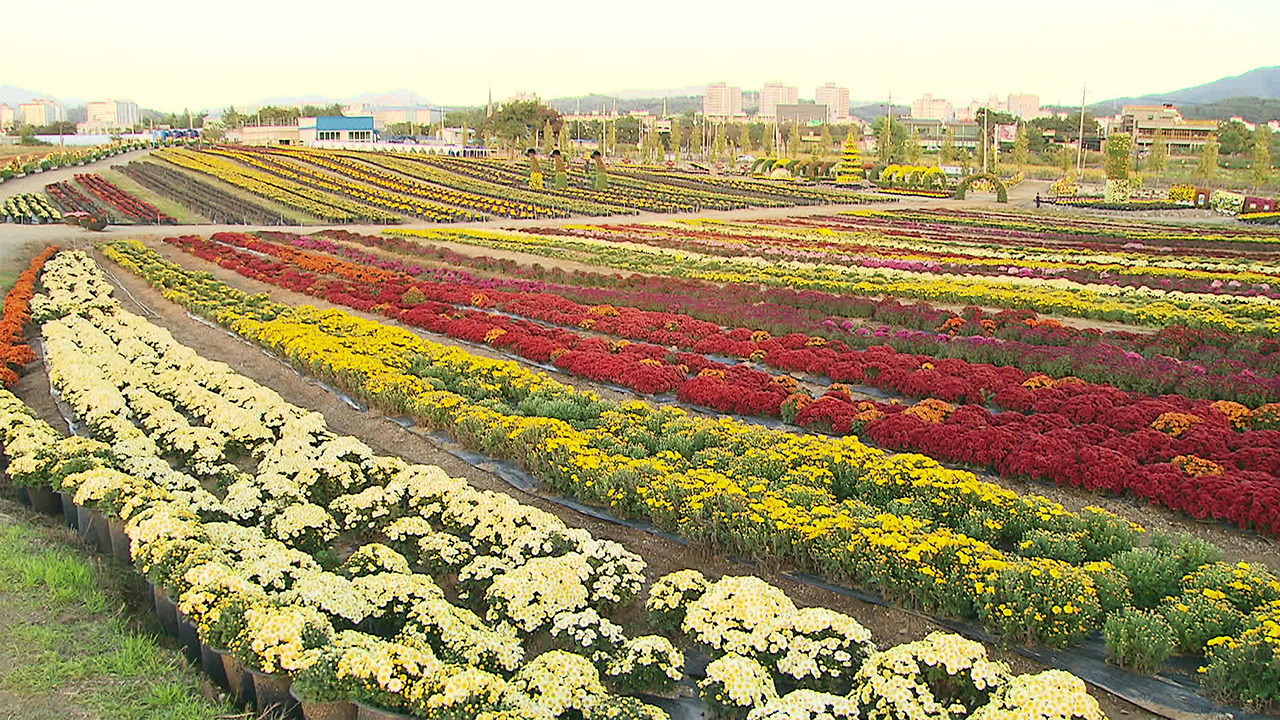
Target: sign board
(1006, 133)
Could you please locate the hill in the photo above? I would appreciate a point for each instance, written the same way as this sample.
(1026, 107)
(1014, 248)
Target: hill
(1263, 83)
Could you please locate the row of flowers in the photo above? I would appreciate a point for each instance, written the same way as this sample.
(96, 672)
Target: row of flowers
(392, 203)
(70, 156)
(370, 174)
(995, 277)
(28, 208)
(124, 202)
(14, 351)
(311, 201)
(1142, 306)
(823, 239)
(67, 197)
(1130, 360)
(1090, 233)
(747, 490)
(276, 611)
(1104, 439)
(217, 205)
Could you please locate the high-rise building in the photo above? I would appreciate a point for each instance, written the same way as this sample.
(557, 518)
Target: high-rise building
(7, 117)
(41, 112)
(927, 107)
(1026, 107)
(722, 101)
(775, 94)
(112, 114)
(837, 101)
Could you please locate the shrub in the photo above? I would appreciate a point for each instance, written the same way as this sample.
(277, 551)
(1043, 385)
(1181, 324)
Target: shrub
(1246, 668)
(735, 685)
(1153, 574)
(1138, 639)
(941, 676)
(1041, 600)
(1199, 616)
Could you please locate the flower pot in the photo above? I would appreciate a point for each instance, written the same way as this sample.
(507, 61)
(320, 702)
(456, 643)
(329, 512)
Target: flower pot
(238, 681)
(166, 613)
(272, 692)
(336, 710)
(370, 712)
(84, 523)
(120, 544)
(44, 500)
(211, 661)
(24, 496)
(69, 514)
(102, 532)
(188, 638)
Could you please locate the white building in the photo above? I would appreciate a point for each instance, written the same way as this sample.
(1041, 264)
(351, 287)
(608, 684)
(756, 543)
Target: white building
(927, 107)
(1023, 106)
(41, 112)
(109, 115)
(722, 101)
(837, 101)
(773, 95)
(7, 117)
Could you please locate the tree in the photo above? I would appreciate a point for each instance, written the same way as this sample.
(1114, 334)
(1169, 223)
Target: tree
(1208, 168)
(565, 144)
(695, 141)
(827, 141)
(548, 138)
(1021, 147)
(744, 137)
(1158, 158)
(232, 119)
(770, 142)
(720, 145)
(1261, 172)
(677, 137)
(913, 150)
(891, 138)
(611, 138)
(1233, 137)
(793, 141)
(947, 153)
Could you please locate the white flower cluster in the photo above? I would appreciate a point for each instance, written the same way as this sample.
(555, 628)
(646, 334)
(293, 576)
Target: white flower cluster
(900, 682)
(588, 634)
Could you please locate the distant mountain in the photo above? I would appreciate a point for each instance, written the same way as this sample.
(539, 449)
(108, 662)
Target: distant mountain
(1258, 83)
(390, 98)
(640, 94)
(13, 96)
(595, 103)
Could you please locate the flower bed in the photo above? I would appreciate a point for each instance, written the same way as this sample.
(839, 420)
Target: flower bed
(747, 496)
(14, 352)
(373, 628)
(200, 197)
(122, 201)
(28, 208)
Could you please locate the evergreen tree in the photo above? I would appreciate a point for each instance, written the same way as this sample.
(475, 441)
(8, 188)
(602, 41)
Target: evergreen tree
(677, 138)
(826, 141)
(720, 145)
(770, 144)
(793, 141)
(566, 144)
(914, 150)
(744, 137)
(1208, 168)
(1158, 159)
(1021, 147)
(947, 154)
(611, 139)
(1261, 172)
(548, 138)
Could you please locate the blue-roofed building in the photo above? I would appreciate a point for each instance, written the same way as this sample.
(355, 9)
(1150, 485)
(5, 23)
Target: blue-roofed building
(338, 128)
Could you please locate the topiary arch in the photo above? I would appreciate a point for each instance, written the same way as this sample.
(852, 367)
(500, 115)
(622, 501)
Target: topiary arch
(1002, 193)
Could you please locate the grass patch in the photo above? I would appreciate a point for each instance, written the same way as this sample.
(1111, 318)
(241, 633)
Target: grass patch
(75, 639)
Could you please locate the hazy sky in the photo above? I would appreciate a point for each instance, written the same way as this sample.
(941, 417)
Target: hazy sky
(242, 51)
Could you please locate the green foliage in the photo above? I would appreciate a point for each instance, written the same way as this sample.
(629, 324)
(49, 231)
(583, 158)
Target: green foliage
(1119, 148)
(676, 139)
(1208, 167)
(1197, 617)
(1158, 160)
(1246, 668)
(1021, 146)
(1261, 173)
(1054, 545)
(1153, 574)
(1138, 639)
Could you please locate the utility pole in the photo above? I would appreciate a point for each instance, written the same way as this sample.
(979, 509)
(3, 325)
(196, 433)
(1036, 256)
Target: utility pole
(986, 113)
(1080, 149)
